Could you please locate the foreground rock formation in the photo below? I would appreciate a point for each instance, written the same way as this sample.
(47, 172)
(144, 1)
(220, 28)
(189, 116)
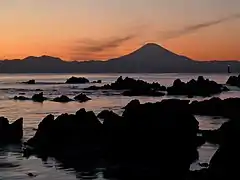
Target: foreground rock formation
(147, 141)
(133, 87)
(147, 138)
(234, 81)
(199, 87)
(10, 133)
(77, 80)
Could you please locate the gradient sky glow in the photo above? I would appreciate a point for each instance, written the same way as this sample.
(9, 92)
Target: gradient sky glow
(102, 29)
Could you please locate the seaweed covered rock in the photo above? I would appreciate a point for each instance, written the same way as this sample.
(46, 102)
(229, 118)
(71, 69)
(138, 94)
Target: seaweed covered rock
(199, 87)
(11, 133)
(77, 80)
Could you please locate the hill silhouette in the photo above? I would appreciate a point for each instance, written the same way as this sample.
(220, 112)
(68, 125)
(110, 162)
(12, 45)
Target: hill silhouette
(150, 58)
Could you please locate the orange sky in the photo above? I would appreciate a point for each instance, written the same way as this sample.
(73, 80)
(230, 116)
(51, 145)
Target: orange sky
(90, 30)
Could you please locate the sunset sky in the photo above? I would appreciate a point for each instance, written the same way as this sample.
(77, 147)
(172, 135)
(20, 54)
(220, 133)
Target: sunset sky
(103, 29)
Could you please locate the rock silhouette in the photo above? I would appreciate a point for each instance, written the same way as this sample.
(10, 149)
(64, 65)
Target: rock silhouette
(137, 141)
(21, 98)
(199, 87)
(234, 81)
(11, 133)
(32, 81)
(62, 99)
(82, 98)
(39, 97)
(133, 87)
(77, 80)
(97, 82)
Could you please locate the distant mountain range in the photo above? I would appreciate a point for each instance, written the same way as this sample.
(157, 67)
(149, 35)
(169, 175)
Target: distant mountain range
(150, 58)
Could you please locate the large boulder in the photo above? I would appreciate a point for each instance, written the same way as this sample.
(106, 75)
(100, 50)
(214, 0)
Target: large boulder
(11, 133)
(199, 87)
(82, 98)
(234, 81)
(77, 80)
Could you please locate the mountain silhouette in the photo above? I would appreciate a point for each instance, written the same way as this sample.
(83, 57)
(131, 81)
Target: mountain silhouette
(150, 58)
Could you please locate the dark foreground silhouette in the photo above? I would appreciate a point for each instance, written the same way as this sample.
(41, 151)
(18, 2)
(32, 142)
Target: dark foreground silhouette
(10, 133)
(142, 143)
(234, 81)
(152, 140)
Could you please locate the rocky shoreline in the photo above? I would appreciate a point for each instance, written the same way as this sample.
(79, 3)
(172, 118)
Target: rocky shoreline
(142, 142)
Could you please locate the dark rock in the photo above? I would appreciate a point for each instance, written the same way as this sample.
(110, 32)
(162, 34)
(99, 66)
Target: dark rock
(223, 164)
(32, 81)
(234, 81)
(63, 99)
(11, 133)
(97, 82)
(228, 108)
(39, 97)
(21, 98)
(133, 104)
(82, 98)
(133, 87)
(77, 80)
(199, 87)
(137, 141)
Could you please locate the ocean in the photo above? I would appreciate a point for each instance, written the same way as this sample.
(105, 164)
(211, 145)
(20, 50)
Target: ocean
(14, 166)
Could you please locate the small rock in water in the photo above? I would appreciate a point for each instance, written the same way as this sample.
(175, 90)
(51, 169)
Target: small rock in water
(31, 175)
(77, 80)
(82, 98)
(20, 98)
(63, 99)
(32, 81)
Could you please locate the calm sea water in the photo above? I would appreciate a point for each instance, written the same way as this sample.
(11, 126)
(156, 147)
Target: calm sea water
(14, 166)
